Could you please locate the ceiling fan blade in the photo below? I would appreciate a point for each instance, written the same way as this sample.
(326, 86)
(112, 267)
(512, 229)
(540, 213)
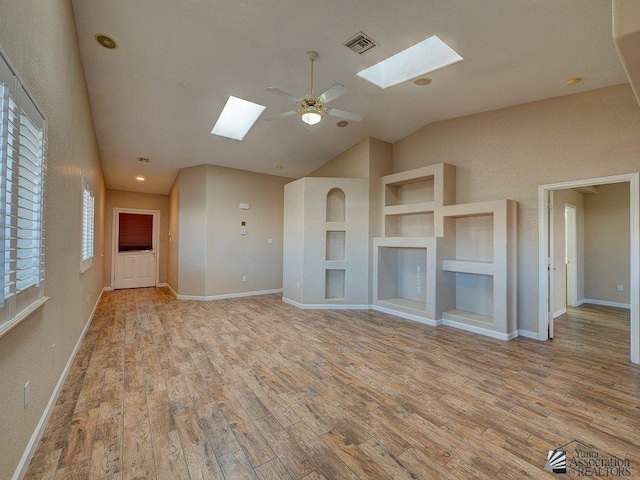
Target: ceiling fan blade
(334, 92)
(336, 112)
(282, 93)
(281, 115)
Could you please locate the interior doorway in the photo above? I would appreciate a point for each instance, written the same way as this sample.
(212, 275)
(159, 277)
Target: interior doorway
(135, 248)
(546, 260)
(571, 254)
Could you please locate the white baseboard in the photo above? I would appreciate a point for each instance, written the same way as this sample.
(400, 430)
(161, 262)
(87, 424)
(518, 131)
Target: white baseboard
(562, 311)
(604, 303)
(528, 334)
(325, 306)
(228, 295)
(37, 433)
(408, 316)
(107, 289)
(482, 331)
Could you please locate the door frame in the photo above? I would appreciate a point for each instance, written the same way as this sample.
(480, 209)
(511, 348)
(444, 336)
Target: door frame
(114, 238)
(634, 255)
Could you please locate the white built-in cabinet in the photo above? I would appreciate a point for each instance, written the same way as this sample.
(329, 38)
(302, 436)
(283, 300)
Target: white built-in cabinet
(326, 242)
(444, 263)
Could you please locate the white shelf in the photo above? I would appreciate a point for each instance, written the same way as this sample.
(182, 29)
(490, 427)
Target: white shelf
(467, 266)
(404, 303)
(473, 209)
(409, 208)
(464, 316)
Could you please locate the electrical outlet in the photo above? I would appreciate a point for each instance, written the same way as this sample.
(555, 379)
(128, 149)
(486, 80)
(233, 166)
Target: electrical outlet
(26, 394)
(270, 241)
(244, 278)
(298, 285)
(620, 287)
(53, 353)
(418, 268)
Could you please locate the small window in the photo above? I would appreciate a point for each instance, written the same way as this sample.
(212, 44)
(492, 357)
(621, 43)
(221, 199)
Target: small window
(88, 209)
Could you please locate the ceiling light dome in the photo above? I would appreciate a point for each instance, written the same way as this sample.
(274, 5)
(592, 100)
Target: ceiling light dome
(310, 117)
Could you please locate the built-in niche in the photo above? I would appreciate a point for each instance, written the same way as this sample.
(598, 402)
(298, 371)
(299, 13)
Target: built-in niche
(334, 284)
(336, 205)
(335, 245)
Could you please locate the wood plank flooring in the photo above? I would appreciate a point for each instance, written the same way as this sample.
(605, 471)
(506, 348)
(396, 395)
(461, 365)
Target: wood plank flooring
(252, 388)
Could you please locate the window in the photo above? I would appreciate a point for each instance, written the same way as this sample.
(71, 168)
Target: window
(87, 226)
(23, 143)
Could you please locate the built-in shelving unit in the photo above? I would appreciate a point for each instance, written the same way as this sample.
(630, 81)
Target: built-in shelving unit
(325, 229)
(483, 267)
(442, 262)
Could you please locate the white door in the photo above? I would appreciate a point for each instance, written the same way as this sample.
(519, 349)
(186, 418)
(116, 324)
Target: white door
(135, 248)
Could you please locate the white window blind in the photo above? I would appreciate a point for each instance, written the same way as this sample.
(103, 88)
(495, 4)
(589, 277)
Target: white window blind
(87, 226)
(23, 143)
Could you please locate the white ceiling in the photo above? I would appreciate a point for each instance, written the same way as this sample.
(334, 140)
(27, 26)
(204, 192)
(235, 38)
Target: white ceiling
(159, 94)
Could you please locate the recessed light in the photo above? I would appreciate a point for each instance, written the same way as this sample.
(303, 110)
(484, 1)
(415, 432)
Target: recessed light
(106, 41)
(420, 59)
(140, 178)
(421, 82)
(237, 118)
(278, 167)
(342, 123)
(573, 81)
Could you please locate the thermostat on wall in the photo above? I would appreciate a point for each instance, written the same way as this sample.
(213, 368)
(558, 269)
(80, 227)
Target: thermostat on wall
(244, 206)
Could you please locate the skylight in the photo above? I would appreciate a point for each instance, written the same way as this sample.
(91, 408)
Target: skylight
(237, 118)
(424, 57)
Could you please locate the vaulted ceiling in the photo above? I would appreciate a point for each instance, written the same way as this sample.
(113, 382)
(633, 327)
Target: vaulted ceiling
(160, 92)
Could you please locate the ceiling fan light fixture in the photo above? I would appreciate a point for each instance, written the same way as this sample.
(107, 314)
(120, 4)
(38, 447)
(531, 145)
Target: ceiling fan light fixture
(310, 117)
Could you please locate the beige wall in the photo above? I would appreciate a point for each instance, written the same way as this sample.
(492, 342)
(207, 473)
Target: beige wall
(560, 199)
(507, 153)
(138, 201)
(40, 39)
(607, 243)
(210, 224)
(352, 163)
(174, 235)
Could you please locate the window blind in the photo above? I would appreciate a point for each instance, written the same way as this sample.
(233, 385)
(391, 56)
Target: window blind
(87, 226)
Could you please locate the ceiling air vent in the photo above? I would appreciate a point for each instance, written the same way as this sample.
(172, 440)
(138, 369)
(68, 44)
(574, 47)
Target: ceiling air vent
(360, 43)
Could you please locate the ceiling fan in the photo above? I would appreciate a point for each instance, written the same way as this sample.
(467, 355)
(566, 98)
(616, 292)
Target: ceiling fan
(313, 108)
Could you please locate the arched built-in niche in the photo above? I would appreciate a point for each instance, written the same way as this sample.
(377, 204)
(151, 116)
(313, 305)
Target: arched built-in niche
(336, 205)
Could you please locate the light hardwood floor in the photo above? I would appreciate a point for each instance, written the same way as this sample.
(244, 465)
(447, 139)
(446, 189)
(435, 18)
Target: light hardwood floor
(253, 388)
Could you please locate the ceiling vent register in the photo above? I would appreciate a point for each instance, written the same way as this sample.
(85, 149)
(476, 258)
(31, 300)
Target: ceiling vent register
(360, 43)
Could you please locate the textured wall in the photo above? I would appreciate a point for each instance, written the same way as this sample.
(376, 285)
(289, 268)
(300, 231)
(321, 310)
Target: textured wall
(174, 235)
(607, 236)
(142, 201)
(213, 256)
(507, 153)
(40, 39)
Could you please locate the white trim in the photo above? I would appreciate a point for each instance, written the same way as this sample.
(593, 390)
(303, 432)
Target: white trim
(325, 306)
(171, 290)
(634, 256)
(107, 289)
(562, 311)
(481, 331)
(408, 316)
(21, 316)
(604, 303)
(528, 334)
(21, 469)
(228, 295)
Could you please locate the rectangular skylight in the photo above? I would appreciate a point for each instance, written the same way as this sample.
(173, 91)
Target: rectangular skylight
(424, 57)
(237, 118)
